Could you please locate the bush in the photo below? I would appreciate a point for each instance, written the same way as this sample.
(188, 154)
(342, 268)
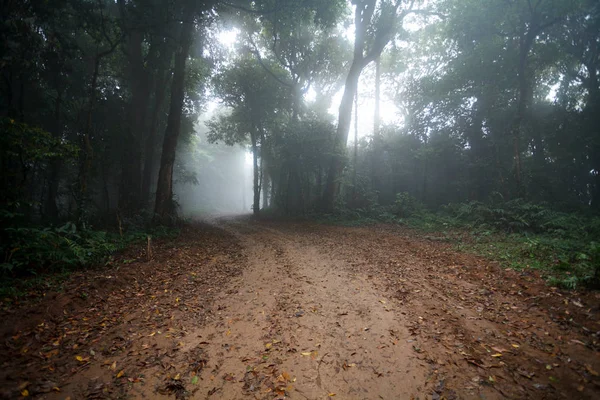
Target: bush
(33, 250)
(406, 205)
(30, 250)
(564, 245)
(517, 216)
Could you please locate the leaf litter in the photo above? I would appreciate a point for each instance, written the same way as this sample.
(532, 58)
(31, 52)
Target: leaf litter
(459, 325)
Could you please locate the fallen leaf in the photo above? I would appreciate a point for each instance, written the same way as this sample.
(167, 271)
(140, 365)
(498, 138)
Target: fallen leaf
(24, 392)
(195, 380)
(306, 353)
(516, 346)
(113, 366)
(497, 355)
(589, 369)
(268, 345)
(121, 373)
(331, 394)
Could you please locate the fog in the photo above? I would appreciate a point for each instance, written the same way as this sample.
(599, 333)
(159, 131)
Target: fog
(211, 178)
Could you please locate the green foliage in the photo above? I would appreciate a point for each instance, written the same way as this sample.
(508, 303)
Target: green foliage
(518, 216)
(33, 250)
(564, 247)
(524, 235)
(31, 144)
(22, 149)
(406, 205)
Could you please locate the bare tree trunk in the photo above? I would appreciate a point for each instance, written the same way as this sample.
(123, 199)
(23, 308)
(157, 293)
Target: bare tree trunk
(164, 208)
(332, 186)
(525, 44)
(160, 80)
(265, 186)
(87, 153)
(355, 147)
(255, 172)
(131, 175)
(377, 116)
(531, 29)
(380, 38)
(51, 208)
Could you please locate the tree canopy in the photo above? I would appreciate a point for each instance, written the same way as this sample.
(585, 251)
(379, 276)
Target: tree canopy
(491, 98)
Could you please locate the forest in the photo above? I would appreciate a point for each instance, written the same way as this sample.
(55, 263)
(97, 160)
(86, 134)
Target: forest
(440, 156)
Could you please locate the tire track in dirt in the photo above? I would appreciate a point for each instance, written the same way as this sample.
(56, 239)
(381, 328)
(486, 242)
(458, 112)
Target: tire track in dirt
(488, 332)
(267, 309)
(297, 325)
(125, 335)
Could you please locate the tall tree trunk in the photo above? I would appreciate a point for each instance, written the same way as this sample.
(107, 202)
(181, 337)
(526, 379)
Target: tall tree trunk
(131, 175)
(87, 151)
(164, 208)
(376, 158)
(381, 36)
(355, 147)
(336, 167)
(525, 43)
(255, 172)
(264, 185)
(160, 83)
(531, 30)
(377, 116)
(592, 116)
(51, 208)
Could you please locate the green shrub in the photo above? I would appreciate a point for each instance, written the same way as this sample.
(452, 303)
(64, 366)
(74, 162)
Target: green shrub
(31, 250)
(406, 205)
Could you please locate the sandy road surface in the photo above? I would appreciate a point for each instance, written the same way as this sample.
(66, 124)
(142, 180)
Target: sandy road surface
(266, 309)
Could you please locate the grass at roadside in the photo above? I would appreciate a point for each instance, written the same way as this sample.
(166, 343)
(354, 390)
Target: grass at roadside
(39, 259)
(563, 247)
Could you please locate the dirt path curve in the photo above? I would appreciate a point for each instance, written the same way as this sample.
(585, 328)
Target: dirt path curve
(375, 313)
(267, 309)
(298, 324)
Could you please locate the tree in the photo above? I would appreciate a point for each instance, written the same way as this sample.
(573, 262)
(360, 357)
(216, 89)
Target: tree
(164, 207)
(254, 100)
(375, 24)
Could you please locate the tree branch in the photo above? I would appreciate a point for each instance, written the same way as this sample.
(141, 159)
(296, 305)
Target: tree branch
(250, 10)
(265, 67)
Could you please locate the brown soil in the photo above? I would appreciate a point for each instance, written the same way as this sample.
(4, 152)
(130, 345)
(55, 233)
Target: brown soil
(267, 309)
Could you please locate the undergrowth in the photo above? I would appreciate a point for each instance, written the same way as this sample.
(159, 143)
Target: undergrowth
(34, 256)
(564, 247)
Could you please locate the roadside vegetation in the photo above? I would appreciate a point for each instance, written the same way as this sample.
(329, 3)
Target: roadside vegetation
(475, 119)
(38, 258)
(563, 246)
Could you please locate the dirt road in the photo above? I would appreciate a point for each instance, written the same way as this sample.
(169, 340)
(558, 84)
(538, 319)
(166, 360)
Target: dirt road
(266, 309)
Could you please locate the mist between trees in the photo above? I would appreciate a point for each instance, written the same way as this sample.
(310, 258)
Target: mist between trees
(106, 118)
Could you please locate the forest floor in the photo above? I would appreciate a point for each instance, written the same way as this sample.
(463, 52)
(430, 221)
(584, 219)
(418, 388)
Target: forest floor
(240, 308)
